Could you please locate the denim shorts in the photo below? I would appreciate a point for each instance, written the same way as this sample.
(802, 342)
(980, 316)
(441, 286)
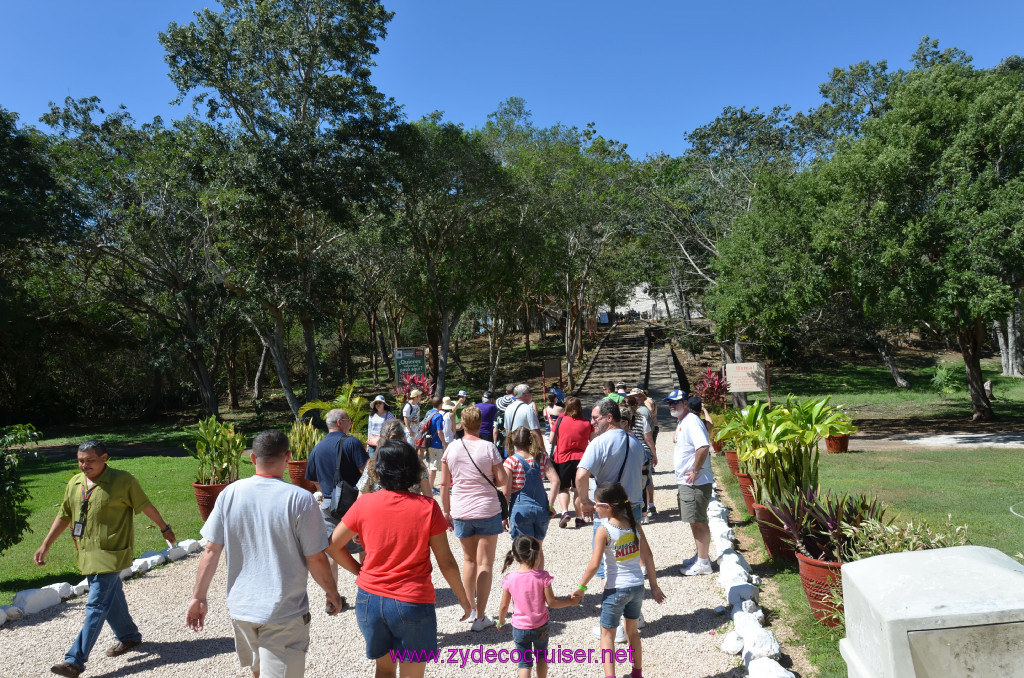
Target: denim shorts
(530, 641)
(478, 527)
(533, 522)
(619, 603)
(389, 624)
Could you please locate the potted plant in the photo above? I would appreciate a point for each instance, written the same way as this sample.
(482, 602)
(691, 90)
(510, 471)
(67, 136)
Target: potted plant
(838, 438)
(302, 437)
(820, 527)
(356, 406)
(713, 389)
(218, 448)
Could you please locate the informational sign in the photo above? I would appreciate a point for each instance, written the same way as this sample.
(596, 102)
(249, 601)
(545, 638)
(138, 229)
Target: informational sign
(746, 377)
(604, 319)
(412, 360)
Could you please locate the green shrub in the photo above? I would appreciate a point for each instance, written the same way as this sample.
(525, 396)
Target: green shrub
(947, 379)
(13, 494)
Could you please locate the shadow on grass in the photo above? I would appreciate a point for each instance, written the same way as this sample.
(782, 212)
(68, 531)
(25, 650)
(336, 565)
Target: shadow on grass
(16, 584)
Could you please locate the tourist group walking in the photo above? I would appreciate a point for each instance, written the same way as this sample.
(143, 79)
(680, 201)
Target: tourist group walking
(383, 510)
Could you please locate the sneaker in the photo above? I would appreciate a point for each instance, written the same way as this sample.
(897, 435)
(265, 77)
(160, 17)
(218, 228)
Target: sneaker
(641, 622)
(580, 522)
(472, 616)
(437, 492)
(122, 647)
(697, 568)
(564, 521)
(620, 633)
(689, 561)
(482, 623)
(65, 669)
(653, 511)
(645, 519)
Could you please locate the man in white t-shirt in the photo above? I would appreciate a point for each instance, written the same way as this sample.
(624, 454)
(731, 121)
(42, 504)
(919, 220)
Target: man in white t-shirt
(411, 415)
(273, 537)
(694, 477)
(521, 412)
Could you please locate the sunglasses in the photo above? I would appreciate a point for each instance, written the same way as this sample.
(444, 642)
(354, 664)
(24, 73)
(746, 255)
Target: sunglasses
(601, 503)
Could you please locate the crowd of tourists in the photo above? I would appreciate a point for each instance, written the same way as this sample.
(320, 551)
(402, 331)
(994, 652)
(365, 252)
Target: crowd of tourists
(379, 513)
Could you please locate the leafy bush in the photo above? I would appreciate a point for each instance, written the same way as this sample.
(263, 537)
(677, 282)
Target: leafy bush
(819, 525)
(13, 514)
(947, 379)
(712, 389)
(219, 449)
(358, 409)
(875, 538)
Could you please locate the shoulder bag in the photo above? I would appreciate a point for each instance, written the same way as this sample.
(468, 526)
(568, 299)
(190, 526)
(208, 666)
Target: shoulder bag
(344, 494)
(501, 495)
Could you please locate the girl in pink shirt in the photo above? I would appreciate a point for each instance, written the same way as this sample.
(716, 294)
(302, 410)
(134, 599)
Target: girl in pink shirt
(530, 588)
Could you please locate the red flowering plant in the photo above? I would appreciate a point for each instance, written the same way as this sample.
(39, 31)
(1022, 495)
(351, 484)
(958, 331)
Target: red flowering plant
(713, 390)
(409, 382)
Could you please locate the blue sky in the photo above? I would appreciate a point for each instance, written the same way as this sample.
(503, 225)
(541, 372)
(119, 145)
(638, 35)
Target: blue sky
(644, 72)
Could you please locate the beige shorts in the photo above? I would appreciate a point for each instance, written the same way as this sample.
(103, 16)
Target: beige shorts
(433, 458)
(693, 503)
(273, 650)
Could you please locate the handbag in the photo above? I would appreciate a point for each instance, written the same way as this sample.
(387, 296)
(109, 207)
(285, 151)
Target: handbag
(501, 495)
(554, 438)
(344, 494)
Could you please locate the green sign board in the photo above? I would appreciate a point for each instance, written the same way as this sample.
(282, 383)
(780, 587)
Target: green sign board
(411, 360)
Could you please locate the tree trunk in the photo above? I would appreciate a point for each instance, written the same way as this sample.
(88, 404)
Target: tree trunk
(231, 365)
(882, 346)
(970, 338)
(257, 382)
(155, 404)
(734, 354)
(433, 357)
(1000, 339)
(383, 344)
(371, 317)
(526, 330)
(312, 364)
(1015, 335)
(274, 341)
(494, 357)
(668, 310)
(207, 392)
(448, 323)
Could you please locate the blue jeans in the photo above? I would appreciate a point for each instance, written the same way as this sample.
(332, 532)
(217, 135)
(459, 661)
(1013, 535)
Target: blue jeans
(619, 603)
(532, 521)
(637, 512)
(106, 604)
(478, 527)
(389, 624)
(532, 644)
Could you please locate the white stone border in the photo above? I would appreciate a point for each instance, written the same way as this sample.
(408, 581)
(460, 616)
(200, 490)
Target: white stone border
(31, 601)
(758, 645)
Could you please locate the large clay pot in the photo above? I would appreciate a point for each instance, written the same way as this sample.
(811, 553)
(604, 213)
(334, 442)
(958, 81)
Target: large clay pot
(717, 445)
(206, 497)
(773, 535)
(819, 578)
(733, 460)
(837, 443)
(747, 490)
(297, 473)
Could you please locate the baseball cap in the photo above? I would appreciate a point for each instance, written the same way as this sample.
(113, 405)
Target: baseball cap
(461, 394)
(677, 394)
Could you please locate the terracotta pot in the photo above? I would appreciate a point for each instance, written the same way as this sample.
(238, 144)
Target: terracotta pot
(837, 443)
(297, 473)
(819, 578)
(717, 445)
(206, 497)
(732, 459)
(747, 490)
(773, 535)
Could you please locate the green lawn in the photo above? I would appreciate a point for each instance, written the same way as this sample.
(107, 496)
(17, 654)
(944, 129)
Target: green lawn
(167, 481)
(976, 487)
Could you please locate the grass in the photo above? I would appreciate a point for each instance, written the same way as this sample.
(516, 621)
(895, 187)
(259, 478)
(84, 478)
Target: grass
(974, 486)
(166, 480)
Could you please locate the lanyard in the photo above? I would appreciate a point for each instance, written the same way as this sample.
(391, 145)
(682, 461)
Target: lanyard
(85, 501)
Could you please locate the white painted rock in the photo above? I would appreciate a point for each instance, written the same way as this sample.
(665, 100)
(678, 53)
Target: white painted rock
(81, 587)
(3, 617)
(12, 612)
(140, 565)
(717, 510)
(190, 546)
(755, 580)
(732, 643)
(749, 606)
(760, 644)
(731, 556)
(718, 527)
(154, 557)
(36, 600)
(721, 609)
(759, 616)
(746, 624)
(766, 667)
(125, 573)
(729, 569)
(722, 545)
(63, 590)
(203, 542)
(737, 594)
(176, 553)
(318, 495)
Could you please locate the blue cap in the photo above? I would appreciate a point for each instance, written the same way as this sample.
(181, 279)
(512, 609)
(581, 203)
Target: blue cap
(677, 394)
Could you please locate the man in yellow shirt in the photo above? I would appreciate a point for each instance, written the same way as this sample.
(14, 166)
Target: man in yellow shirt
(100, 504)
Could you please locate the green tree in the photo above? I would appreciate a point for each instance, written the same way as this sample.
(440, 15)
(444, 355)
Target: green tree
(13, 493)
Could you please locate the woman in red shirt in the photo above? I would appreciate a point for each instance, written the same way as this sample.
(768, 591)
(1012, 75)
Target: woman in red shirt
(570, 436)
(398, 529)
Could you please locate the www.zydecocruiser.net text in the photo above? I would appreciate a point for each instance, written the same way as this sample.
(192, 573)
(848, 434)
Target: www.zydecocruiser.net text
(478, 655)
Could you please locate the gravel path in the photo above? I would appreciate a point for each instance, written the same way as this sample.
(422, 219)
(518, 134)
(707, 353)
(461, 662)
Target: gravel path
(678, 640)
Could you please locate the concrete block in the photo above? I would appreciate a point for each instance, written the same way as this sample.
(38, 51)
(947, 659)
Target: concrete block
(191, 546)
(13, 612)
(732, 643)
(740, 592)
(175, 553)
(765, 667)
(81, 587)
(36, 600)
(63, 590)
(760, 644)
(746, 624)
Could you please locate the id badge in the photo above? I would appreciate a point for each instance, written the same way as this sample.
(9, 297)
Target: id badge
(78, 529)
